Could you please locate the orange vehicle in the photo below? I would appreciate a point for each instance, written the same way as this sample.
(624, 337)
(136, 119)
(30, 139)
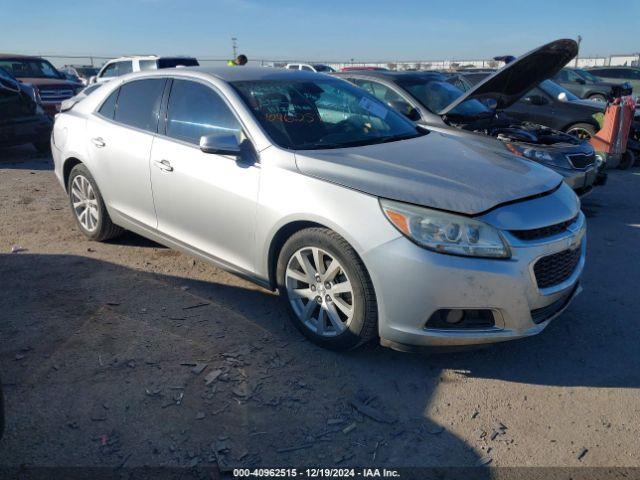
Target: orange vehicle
(611, 140)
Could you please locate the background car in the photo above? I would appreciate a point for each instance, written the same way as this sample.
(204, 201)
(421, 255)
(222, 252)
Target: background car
(429, 97)
(586, 85)
(310, 67)
(22, 119)
(370, 69)
(630, 75)
(123, 65)
(82, 73)
(548, 104)
(50, 85)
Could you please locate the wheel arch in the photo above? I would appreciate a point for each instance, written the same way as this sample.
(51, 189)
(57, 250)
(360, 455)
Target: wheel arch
(67, 166)
(279, 239)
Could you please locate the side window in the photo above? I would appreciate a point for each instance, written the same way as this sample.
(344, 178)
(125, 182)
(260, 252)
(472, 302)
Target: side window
(562, 76)
(306, 68)
(125, 67)
(148, 65)
(292, 67)
(108, 108)
(195, 110)
(139, 103)
(111, 70)
(381, 92)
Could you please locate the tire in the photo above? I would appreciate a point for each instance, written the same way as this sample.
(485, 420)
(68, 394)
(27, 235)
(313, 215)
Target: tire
(329, 322)
(627, 160)
(598, 97)
(583, 131)
(42, 147)
(97, 224)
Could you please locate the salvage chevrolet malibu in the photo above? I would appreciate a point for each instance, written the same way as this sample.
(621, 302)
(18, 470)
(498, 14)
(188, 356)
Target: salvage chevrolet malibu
(368, 225)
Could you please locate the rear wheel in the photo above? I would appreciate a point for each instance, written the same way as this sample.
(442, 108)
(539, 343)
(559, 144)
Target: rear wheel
(597, 97)
(88, 207)
(328, 290)
(583, 131)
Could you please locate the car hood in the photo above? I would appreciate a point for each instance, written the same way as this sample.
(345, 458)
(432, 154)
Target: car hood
(515, 79)
(465, 175)
(41, 82)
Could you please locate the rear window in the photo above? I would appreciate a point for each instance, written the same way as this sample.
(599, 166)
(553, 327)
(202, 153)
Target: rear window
(175, 62)
(108, 108)
(139, 103)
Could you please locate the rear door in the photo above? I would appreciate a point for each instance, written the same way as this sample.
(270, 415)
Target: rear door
(204, 200)
(121, 134)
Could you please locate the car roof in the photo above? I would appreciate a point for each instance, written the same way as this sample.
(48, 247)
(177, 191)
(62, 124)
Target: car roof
(10, 56)
(147, 57)
(239, 74)
(602, 67)
(392, 75)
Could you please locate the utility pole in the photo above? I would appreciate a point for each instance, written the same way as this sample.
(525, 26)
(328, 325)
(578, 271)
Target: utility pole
(579, 40)
(234, 47)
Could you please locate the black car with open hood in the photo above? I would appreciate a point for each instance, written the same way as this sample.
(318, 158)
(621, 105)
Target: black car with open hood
(430, 99)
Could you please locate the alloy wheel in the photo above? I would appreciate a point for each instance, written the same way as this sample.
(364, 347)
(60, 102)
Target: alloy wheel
(320, 292)
(85, 203)
(581, 133)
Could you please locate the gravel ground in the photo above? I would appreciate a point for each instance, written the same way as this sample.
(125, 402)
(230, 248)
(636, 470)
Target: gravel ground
(128, 353)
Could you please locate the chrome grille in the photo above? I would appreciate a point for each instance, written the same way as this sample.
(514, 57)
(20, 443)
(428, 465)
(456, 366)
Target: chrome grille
(555, 269)
(55, 95)
(582, 160)
(543, 232)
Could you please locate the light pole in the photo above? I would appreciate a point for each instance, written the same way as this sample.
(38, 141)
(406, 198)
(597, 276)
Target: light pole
(234, 47)
(579, 40)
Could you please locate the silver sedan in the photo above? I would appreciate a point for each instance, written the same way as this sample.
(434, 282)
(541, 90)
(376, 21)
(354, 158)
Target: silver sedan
(368, 225)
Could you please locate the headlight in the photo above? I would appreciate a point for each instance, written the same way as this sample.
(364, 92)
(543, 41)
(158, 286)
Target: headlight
(538, 156)
(444, 232)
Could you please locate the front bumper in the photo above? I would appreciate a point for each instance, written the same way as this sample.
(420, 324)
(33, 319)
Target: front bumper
(580, 181)
(417, 282)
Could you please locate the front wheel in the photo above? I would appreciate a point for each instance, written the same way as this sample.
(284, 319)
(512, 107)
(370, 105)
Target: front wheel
(88, 207)
(583, 131)
(328, 290)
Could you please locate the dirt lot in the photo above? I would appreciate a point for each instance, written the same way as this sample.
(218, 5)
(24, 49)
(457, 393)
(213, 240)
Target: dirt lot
(99, 343)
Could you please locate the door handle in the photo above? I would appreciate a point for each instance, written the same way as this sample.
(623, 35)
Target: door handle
(164, 165)
(98, 142)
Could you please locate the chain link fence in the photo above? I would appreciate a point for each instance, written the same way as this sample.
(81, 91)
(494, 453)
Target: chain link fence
(619, 59)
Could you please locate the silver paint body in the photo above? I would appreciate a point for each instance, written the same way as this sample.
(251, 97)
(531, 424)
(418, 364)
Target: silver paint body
(214, 208)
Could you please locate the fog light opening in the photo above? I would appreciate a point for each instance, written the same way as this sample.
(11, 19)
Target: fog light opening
(454, 316)
(461, 318)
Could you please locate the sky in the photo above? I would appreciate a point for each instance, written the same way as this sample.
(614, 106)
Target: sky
(330, 30)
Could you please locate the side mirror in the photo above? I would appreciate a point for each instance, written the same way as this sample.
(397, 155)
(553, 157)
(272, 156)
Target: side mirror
(220, 144)
(537, 100)
(406, 109)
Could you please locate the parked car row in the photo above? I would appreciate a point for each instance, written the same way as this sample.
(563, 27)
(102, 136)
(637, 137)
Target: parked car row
(379, 204)
(432, 99)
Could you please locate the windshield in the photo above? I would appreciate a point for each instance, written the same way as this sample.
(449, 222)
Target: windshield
(87, 72)
(27, 68)
(587, 75)
(552, 88)
(323, 68)
(174, 62)
(322, 114)
(436, 95)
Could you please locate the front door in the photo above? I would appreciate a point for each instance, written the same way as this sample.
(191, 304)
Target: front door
(206, 201)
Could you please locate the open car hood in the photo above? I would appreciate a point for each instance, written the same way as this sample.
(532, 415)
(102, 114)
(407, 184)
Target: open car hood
(515, 79)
